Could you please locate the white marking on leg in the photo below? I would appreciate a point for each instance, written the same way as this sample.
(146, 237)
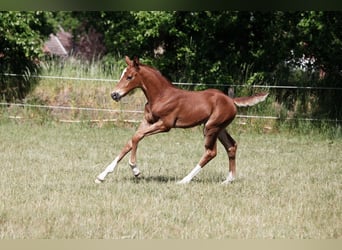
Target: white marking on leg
(230, 178)
(100, 178)
(134, 168)
(191, 175)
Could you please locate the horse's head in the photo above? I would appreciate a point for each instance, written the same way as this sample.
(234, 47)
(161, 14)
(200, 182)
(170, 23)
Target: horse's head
(129, 79)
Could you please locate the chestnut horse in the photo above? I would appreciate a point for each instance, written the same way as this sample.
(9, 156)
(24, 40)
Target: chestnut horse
(169, 107)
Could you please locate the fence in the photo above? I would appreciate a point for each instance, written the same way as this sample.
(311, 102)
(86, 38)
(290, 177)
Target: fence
(121, 111)
(178, 83)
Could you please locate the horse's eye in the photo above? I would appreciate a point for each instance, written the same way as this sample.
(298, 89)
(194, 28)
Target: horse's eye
(129, 78)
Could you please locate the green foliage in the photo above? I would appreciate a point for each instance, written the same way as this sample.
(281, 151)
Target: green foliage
(21, 39)
(319, 36)
(208, 47)
(213, 47)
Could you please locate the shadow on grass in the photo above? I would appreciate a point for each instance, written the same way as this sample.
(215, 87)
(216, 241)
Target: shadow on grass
(157, 178)
(173, 179)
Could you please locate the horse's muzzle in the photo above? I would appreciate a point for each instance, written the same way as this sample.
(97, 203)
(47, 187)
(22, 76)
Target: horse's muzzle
(116, 96)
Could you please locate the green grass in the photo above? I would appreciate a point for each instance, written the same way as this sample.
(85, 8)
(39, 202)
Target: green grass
(287, 186)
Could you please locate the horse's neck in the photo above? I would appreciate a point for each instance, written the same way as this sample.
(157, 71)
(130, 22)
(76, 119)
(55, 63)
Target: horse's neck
(154, 84)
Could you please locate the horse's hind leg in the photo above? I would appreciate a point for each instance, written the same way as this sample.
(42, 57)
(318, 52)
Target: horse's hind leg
(209, 154)
(231, 147)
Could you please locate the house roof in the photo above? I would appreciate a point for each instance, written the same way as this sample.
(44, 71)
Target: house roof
(59, 44)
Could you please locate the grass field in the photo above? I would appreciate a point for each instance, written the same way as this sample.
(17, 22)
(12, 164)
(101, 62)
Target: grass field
(287, 186)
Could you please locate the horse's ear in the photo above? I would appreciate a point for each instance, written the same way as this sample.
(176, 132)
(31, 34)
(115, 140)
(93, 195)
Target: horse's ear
(136, 62)
(128, 61)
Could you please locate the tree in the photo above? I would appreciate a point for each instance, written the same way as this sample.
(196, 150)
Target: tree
(235, 47)
(319, 41)
(21, 43)
(219, 46)
(319, 38)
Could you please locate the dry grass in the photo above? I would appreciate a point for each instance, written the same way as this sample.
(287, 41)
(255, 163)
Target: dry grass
(287, 187)
(94, 95)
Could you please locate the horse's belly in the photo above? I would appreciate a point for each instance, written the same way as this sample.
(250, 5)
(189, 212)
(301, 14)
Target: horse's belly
(190, 117)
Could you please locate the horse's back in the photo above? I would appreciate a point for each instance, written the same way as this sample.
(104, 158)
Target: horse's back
(202, 106)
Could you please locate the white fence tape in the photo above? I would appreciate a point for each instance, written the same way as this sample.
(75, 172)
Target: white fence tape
(177, 83)
(139, 111)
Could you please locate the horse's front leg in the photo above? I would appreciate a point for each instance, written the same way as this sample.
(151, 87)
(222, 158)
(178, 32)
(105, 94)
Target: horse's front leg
(125, 150)
(110, 168)
(144, 129)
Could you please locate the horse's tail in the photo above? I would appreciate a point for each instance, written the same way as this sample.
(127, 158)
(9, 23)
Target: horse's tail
(250, 100)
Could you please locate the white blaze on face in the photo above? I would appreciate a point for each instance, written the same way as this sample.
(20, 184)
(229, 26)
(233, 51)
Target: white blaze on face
(123, 72)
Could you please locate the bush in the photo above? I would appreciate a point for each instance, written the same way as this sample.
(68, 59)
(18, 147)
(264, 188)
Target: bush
(21, 44)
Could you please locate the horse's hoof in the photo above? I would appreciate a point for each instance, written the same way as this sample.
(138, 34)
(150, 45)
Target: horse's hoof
(182, 182)
(98, 181)
(136, 172)
(227, 182)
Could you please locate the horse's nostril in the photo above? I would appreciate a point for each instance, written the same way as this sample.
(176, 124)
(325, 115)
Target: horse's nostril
(116, 96)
